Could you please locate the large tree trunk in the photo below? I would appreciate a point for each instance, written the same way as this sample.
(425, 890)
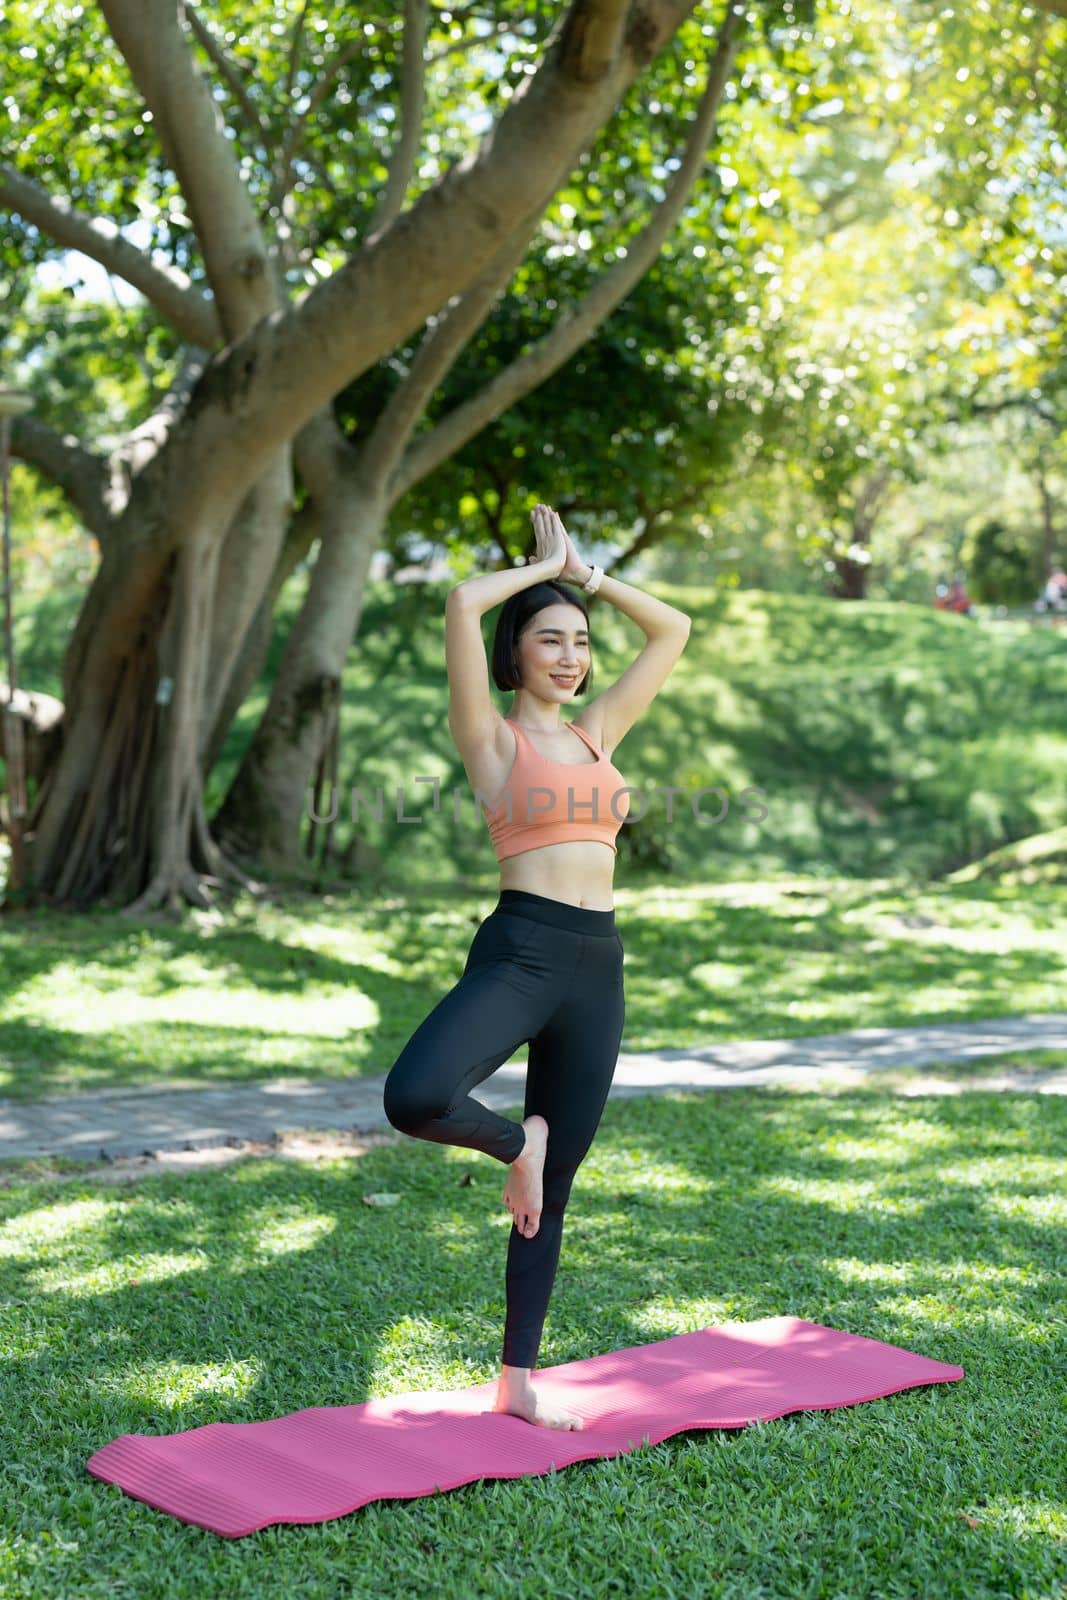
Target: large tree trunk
(95, 819)
(120, 814)
(260, 818)
(247, 565)
(252, 656)
(1049, 537)
(850, 579)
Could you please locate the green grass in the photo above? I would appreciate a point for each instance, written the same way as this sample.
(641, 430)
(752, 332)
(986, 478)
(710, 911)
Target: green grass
(330, 989)
(936, 1224)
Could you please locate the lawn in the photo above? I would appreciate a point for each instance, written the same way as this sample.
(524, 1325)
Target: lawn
(328, 988)
(239, 1295)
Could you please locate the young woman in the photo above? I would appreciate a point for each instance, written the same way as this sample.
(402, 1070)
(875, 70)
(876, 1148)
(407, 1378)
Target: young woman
(545, 967)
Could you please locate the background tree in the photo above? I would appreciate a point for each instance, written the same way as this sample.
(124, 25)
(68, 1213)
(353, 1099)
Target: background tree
(189, 555)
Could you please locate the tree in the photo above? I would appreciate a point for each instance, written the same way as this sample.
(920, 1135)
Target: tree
(192, 539)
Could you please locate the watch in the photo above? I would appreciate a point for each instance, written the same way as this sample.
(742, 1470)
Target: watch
(592, 584)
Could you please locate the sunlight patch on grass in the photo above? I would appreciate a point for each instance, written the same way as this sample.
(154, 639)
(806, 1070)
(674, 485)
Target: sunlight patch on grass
(844, 1197)
(307, 1012)
(984, 927)
(973, 1281)
(948, 999)
(666, 1317)
(634, 1167)
(350, 944)
(1024, 1518)
(1040, 1210)
(118, 1273)
(408, 1355)
(175, 1384)
(280, 1236)
(774, 891)
(720, 974)
(22, 1236)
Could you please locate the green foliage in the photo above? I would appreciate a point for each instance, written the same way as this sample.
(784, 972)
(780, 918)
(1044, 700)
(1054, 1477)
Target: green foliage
(816, 318)
(869, 730)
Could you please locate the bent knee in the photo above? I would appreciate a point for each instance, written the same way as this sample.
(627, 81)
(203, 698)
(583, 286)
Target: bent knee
(406, 1108)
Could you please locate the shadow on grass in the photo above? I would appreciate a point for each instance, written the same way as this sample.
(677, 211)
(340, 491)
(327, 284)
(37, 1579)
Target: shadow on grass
(703, 964)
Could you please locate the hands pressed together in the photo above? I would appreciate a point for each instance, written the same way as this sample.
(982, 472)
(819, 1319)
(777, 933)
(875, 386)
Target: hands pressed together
(555, 547)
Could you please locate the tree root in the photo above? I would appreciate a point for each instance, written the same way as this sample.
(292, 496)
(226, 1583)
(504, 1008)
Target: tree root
(216, 860)
(172, 892)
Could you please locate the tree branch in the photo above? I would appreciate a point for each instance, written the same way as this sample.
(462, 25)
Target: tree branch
(294, 51)
(298, 128)
(590, 40)
(268, 383)
(189, 126)
(574, 327)
(254, 123)
(412, 101)
(440, 346)
(459, 45)
(82, 475)
(144, 442)
(168, 289)
(991, 408)
(98, 487)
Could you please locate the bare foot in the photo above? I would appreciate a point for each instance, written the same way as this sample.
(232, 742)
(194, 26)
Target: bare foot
(523, 1193)
(527, 1404)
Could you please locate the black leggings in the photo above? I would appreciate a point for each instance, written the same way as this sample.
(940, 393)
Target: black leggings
(542, 972)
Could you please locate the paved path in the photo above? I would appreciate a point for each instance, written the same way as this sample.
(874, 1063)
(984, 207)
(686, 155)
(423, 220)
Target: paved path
(123, 1122)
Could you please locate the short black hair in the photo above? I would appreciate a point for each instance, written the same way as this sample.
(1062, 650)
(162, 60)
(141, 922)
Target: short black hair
(515, 613)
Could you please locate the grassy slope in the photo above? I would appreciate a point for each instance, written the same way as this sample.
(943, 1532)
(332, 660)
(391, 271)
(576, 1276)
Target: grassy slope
(886, 738)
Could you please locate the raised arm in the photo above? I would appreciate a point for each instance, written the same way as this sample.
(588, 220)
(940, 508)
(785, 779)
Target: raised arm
(472, 715)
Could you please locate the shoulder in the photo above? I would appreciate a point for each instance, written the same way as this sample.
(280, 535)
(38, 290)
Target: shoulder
(590, 722)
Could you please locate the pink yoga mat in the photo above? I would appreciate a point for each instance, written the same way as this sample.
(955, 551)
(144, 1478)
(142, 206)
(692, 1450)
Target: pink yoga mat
(236, 1477)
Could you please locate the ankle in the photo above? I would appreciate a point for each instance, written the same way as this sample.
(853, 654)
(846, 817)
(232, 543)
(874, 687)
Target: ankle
(532, 1138)
(516, 1379)
(524, 1153)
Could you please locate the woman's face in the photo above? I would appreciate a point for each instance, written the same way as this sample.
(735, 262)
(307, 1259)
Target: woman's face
(552, 647)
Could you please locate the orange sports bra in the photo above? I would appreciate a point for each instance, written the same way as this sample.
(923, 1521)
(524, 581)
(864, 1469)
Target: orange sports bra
(553, 802)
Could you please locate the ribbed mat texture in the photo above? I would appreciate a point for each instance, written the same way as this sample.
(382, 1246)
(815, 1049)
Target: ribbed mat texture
(236, 1477)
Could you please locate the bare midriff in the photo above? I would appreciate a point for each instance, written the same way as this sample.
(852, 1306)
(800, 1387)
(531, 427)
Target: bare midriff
(580, 872)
